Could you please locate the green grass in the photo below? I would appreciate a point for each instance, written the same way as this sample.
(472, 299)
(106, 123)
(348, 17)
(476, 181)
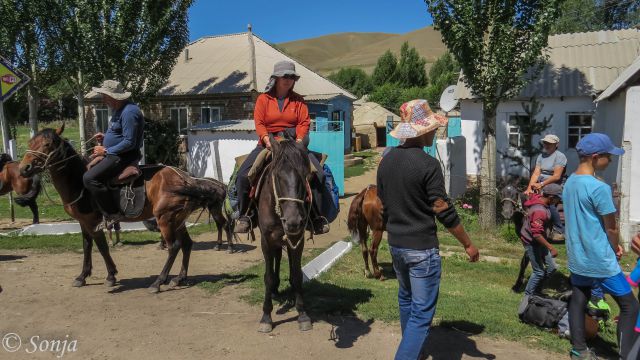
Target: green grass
(73, 242)
(371, 159)
(50, 207)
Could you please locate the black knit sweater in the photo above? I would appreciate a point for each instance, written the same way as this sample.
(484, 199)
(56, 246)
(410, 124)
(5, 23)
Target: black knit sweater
(411, 187)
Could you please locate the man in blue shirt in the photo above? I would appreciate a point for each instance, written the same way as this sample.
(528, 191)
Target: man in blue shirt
(120, 145)
(593, 246)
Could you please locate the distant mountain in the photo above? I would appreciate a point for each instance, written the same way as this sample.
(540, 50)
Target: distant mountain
(328, 53)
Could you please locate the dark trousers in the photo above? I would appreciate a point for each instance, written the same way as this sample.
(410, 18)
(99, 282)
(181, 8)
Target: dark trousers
(243, 185)
(96, 178)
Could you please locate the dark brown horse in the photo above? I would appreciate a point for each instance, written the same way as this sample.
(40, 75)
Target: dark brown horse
(27, 188)
(365, 213)
(283, 213)
(171, 196)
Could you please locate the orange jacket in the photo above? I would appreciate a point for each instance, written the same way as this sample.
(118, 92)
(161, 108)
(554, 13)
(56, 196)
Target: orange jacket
(269, 119)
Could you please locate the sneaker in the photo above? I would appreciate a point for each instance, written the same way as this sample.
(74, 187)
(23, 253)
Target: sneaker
(586, 354)
(243, 225)
(599, 308)
(108, 222)
(557, 236)
(320, 225)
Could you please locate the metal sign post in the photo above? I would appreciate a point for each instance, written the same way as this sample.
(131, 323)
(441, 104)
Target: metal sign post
(11, 80)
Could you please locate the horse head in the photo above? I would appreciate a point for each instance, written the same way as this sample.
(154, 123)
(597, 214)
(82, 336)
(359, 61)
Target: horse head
(509, 201)
(290, 175)
(44, 146)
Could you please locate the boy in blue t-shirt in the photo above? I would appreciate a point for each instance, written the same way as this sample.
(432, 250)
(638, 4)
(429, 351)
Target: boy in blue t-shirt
(592, 245)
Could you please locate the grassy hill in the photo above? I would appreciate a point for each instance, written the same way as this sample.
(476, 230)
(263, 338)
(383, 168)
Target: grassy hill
(327, 54)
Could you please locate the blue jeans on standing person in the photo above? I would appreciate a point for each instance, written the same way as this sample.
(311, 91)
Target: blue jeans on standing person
(558, 225)
(418, 273)
(542, 263)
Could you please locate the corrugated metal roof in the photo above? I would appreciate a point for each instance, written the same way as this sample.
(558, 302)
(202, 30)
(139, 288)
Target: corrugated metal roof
(222, 64)
(226, 125)
(321, 97)
(580, 64)
(623, 80)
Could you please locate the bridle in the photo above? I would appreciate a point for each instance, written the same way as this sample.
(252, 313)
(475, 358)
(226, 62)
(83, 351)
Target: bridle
(46, 158)
(278, 208)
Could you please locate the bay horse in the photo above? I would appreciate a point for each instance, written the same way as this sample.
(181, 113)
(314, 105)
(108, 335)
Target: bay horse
(27, 189)
(284, 205)
(365, 213)
(171, 196)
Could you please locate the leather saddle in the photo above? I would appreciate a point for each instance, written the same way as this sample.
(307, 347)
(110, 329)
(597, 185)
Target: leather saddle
(128, 188)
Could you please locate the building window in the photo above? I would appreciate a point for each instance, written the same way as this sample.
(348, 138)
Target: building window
(180, 118)
(210, 114)
(579, 126)
(516, 136)
(312, 116)
(336, 116)
(102, 120)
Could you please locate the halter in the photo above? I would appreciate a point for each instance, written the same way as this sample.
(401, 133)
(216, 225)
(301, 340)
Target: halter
(278, 208)
(47, 157)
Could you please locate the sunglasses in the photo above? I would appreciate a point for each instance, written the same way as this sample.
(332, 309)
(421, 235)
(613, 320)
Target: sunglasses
(290, 77)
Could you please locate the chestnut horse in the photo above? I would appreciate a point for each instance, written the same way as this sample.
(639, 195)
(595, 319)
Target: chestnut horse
(284, 204)
(365, 213)
(27, 188)
(171, 196)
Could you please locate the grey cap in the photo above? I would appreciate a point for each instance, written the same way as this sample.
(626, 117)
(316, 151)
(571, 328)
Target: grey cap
(284, 67)
(552, 190)
(112, 88)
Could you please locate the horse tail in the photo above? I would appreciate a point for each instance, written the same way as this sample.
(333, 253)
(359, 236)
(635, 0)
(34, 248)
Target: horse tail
(355, 217)
(204, 193)
(32, 194)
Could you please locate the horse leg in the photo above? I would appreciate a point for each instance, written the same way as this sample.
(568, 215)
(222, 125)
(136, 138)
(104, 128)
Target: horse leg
(221, 225)
(295, 279)
(87, 245)
(175, 243)
(523, 267)
(277, 257)
(373, 252)
(187, 244)
(363, 235)
(33, 205)
(103, 247)
(266, 323)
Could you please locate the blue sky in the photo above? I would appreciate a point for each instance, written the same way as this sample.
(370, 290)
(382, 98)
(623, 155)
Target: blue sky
(286, 20)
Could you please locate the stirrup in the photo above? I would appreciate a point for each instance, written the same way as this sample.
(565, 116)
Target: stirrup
(243, 225)
(320, 225)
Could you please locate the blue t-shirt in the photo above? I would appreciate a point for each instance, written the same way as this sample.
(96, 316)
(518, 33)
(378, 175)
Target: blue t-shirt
(126, 130)
(586, 199)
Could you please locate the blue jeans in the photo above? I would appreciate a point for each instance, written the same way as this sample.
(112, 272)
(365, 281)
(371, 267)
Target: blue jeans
(558, 225)
(542, 263)
(418, 273)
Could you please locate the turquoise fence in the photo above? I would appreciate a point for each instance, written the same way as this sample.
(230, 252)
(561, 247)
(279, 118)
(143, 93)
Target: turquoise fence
(327, 137)
(391, 141)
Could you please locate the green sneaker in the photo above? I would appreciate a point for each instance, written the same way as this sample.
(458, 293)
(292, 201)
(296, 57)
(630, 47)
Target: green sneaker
(586, 354)
(600, 309)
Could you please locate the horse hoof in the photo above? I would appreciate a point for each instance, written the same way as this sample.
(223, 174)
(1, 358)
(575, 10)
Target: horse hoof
(305, 325)
(265, 328)
(368, 275)
(217, 248)
(175, 283)
(110, 282)
(230, 250)
(79, 283)
(153, 289)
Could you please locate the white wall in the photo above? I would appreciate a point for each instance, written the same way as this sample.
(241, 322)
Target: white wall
(632, 135)
(610, 119)
(212, 154)
(471, 114)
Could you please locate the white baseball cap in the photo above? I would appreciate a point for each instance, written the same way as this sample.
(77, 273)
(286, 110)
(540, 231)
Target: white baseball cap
(551, 139)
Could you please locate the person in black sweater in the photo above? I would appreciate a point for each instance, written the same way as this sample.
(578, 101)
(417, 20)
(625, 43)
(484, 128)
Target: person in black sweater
(411, 187)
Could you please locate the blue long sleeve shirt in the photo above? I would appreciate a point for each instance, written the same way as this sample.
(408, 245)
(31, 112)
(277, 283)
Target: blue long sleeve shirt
(125, 131)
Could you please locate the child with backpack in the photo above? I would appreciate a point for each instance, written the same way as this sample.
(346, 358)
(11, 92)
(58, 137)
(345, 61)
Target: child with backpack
(593, 246)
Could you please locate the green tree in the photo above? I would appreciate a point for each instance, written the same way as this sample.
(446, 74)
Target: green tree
(391, 96)
(411, 71)
(443, 72)
(135, 42)
(497, 44)
(385, 70)
(595, 15)
(354, 80)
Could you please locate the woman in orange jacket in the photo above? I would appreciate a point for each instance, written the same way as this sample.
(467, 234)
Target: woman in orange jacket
(278, 109)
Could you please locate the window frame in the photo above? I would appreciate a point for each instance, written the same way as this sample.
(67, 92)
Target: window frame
(209, 107)
(178, 108)
(98, 120)
(518, 129)
(580, 128)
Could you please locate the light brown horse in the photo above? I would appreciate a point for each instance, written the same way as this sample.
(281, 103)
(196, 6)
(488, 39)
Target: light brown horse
(365, 213)
(171, 196)
(26, 188)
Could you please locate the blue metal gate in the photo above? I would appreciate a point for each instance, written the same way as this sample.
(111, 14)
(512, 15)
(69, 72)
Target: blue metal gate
(327, 137)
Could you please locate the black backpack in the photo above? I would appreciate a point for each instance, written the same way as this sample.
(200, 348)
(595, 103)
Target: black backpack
(541, 311)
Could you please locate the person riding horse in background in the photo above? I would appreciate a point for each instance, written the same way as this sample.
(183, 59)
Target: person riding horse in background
(120, 147)
(279, 109)
(550, 169)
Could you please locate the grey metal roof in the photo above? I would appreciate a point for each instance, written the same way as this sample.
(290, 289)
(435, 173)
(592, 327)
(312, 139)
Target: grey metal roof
(223, 64)
(321, 97)
(627, 77)
(580, 64)
(226, 125)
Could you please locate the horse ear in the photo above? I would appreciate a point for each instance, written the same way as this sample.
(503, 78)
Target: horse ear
(274, 143)
(60, 130)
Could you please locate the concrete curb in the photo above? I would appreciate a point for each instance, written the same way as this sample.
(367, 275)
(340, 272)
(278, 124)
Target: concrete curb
(324, 261)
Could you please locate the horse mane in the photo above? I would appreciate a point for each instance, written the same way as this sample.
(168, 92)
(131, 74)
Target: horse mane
(4, 159)
(289, 152)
